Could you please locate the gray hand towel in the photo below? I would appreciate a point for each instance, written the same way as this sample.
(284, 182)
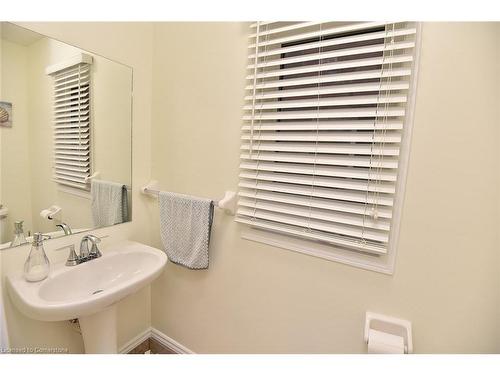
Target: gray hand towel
(185, 224)
(108, 202)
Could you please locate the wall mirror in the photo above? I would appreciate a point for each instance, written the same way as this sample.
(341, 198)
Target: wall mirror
(65, 138)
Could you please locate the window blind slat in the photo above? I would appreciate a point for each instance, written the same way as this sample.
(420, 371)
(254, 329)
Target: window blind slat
(334, 89)
(331, 181)
(72, 114)
(324, 31)
(311, 223)
(333, 42)
(305, 201)
(323, 125)
(341, 77)
(67, 89)
(335, 54)
(74, 108)
(73, 157)
(338, 65)
(74, 173)
(316, 213)
(60, 176)
(72, 103)
(327, 148)
(70, 75)
(76, 130)
(338, 113)
(320, 192)
(77, 81)
(83, 97)
(325, 136)
(72, 163)
(73, 92)
(68, 152)
(328, 102)
(311, 159)
(294, 26)
(71, 126)
(72, 120)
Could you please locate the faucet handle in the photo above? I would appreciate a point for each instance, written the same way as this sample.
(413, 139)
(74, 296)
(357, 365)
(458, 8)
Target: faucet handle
(73, 259)
(95, 252)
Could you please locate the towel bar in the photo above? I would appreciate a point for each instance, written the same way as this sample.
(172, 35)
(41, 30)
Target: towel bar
(227, 203)
(93, 175)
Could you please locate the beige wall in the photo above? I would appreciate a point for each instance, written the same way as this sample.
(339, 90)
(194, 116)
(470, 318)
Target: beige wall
(260, 299)
(256, 298)
(130, 44)
(13, 142)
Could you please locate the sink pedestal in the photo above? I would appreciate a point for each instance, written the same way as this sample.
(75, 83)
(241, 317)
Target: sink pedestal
(99, 331)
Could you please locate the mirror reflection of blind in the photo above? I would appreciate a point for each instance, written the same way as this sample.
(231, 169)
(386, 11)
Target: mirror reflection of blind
(72, 126)
(324, 113)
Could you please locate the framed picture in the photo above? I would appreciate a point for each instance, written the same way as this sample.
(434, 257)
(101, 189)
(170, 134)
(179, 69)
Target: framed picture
(6, 114)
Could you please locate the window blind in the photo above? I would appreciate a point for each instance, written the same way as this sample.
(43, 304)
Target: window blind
(324, 116)
(72, 126)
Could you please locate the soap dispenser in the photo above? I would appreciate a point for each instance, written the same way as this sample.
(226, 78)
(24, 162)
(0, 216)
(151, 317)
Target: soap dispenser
(19, 237)
(37, 266)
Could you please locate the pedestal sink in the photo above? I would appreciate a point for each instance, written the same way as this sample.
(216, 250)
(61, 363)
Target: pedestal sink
(89, 291)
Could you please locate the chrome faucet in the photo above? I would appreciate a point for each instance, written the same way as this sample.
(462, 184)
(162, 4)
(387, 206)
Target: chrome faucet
(85, 254)
(66, 229)
(94, 252)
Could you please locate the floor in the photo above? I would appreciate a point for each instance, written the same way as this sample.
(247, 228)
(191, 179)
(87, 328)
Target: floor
(151, 346)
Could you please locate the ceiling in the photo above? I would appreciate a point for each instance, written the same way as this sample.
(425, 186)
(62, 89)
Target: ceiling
(19, 35)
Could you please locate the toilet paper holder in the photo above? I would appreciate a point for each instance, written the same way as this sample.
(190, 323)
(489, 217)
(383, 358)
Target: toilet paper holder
(391, 325)
(51, 212)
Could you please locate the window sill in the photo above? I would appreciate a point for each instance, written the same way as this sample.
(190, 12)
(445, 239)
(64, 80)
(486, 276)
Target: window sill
(73, 191)
(377, 263)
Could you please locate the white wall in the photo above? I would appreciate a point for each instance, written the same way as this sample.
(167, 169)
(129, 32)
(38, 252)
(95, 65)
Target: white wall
(260, 299)
(131, 44)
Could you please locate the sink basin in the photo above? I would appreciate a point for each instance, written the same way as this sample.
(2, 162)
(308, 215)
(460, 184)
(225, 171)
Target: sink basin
(89, 290)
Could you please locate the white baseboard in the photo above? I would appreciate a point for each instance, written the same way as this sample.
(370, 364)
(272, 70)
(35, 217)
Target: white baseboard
(169, 342)
(158, 336)
(131, 344)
